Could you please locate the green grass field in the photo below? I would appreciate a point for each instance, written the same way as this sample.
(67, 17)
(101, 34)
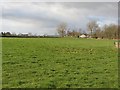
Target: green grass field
(59, 63)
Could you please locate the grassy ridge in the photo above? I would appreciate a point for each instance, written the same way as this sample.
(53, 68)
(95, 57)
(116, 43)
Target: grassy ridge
(59, 63)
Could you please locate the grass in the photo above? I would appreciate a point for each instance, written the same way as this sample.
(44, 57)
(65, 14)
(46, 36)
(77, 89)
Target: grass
(59, 63)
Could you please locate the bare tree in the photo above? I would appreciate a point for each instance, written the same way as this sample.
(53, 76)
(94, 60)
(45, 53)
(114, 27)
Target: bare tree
(92, 26)
(110, 31)
(97, 33)
(61, 29)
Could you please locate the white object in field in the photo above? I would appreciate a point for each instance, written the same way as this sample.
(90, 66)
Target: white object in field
(83, 36)
(117, 44)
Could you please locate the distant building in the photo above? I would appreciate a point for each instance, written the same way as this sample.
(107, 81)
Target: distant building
(23, 34)
(83, 36)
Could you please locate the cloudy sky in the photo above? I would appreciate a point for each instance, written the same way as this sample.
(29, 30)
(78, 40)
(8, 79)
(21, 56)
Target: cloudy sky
(42, 18)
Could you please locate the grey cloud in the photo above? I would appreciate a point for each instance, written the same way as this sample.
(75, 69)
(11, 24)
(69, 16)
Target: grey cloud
(31, 17)
(98, 8)
(84, 11)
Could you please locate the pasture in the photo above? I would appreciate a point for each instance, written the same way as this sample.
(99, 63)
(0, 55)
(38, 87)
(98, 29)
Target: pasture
(59, 63)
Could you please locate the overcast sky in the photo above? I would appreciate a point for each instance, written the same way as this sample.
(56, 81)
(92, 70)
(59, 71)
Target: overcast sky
(43, 18)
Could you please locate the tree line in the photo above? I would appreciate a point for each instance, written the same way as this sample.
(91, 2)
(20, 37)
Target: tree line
(95, 31)
(27, 35)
